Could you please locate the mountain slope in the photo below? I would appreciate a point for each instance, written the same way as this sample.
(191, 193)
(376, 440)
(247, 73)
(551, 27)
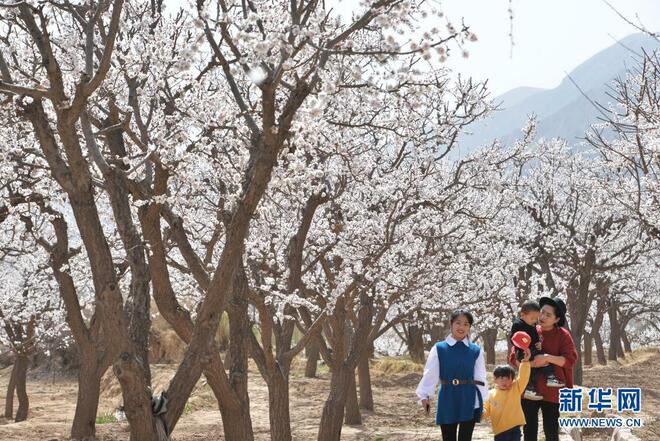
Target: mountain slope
(563, 111)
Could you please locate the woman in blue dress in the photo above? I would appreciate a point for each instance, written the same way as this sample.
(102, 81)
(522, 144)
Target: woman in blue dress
(459, 366)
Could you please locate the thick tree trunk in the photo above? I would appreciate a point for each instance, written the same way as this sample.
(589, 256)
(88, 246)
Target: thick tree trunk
(137, 305)
(236, 422)
(312, 354)
(278, 407)
(227, 360)
(352, 414)
(578, 368)
(89, 384)
(438, 333)
(415, 341)
(137, 398)
(9, 399)
(600, 349)
(76, 180)
(578, 304)
(231, 407)
(21, 387)
(625, 340)
(333, 410)
(601, 306)
(364, 376)
(588, 342)
(490, 338)
(615, 338)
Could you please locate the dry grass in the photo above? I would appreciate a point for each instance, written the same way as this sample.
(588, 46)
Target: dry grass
(395, 365)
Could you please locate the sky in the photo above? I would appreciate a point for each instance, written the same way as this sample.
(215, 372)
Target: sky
(551, 37)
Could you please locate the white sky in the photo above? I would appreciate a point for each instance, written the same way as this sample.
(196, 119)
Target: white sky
(551, 37)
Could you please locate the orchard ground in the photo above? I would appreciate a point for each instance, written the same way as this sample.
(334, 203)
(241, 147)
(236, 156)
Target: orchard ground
(396, 416)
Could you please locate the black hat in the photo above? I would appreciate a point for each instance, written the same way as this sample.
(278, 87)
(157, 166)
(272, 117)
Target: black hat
(560, 308)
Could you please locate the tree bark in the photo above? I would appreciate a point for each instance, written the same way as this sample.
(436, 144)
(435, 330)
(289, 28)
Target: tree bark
(137, 398)
(578, 299)
(312, 354)
(625, 340)
(21, 387)
(601, 306)
(600, 349)
(75, 178)
(490, 338)
(415, 341)
(437, 333)
(236, 420)
(364, 376)
(588, 342)
(615, 338)
(89, 385)
(9, 399)
(230, 405)
(578, 368)
(138, 303)
(278, 407)
(352, 415)
(333, 410)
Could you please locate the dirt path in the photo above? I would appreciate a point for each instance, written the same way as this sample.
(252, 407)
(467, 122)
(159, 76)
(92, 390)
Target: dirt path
(396, 417)
(639, 369)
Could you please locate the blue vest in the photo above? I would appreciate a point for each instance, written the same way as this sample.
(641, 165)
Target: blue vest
(456, 402)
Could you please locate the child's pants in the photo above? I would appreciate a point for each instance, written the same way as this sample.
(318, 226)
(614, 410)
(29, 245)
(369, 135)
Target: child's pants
(509, 435)
(546, 370)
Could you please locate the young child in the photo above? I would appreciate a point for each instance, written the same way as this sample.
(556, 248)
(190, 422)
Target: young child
(503, 405)
(529, 315)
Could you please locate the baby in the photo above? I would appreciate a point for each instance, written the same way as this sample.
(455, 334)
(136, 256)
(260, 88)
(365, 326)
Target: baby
(529, 315)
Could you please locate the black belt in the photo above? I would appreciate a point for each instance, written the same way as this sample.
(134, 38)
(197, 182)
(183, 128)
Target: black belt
(456, 382)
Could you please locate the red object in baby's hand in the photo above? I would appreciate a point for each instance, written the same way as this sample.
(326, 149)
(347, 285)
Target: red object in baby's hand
(521, 340)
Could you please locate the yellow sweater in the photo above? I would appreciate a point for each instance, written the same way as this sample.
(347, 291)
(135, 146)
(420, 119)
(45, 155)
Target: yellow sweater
(503, 406)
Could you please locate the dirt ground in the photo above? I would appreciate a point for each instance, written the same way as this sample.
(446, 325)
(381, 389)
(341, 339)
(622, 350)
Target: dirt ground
(396, 417)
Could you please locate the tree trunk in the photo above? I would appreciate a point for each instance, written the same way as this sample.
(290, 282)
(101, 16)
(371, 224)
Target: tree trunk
(364, 376)
(601, 306)
(490, 338)
(21, 387)
(137, 398)
(625, 340)
(312, 354)
(278, 407)
(352, 415)
(437, 334)
(415, 341)
(237, 423)
(600, 349)
(588, 341)
(578, 304)
(333, 410)
(227, 360)
(138, 302)
(9, 399)
(89, 385)
(578, 368)
(615, 338)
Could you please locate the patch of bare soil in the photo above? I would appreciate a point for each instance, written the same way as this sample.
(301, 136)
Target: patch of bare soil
(639, 369)
(396, 416)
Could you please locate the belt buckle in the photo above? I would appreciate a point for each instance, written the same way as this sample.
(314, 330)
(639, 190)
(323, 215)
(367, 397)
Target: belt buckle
(455, 382)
